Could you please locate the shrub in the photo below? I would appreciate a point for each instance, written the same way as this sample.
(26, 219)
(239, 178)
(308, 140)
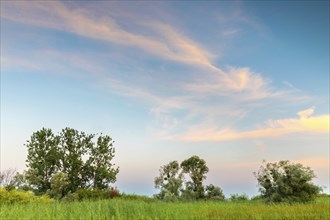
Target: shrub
(70, 197)
(214, 192)
(256, 198)
(114, 192)
(58, 185)
(239, 198)
(21, 197)
(189, 195)
(170, 197)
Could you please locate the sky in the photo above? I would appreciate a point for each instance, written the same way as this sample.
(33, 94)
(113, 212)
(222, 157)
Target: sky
(234, 82)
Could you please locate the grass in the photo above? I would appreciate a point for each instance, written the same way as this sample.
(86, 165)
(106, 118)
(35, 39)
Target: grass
(153, 209)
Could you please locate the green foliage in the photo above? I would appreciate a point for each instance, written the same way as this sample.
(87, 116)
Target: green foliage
(196, 168)
(10, 179)
(70, 197)
(214, 192)
(21, 182)
(99, 168)
(43, 158)
(238, 198)
(92, 194)
(286, 182)
(58, 185)
(73, 153)
(169, 180)
(21, 197)
(188, 194)
(256, 198)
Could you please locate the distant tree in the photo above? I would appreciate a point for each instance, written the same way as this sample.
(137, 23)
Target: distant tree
(214, 192)
(169, 180)
(239, 198)
(286, 182)
(196, 168)
(21, 181)
(7, 178)
(43, 159)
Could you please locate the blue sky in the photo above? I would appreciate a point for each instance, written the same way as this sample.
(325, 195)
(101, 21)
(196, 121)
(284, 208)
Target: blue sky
(232, 82)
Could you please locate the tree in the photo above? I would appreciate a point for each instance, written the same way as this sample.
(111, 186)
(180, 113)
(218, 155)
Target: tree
(196, 168)
(21, 181)
(99, 168)
(286, 182)
(7, 178)
(73, 146)
(169, 180)
(214, 192)
(43, 159)
(86, 164)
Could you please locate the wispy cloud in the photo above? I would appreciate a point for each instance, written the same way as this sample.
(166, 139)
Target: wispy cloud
(164, 41)
(239, 82)
(216, 96)
(230, 32)
(306, 123)
(166, 44)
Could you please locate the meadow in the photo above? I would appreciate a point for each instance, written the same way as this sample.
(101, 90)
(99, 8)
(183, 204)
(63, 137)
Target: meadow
(120, 208)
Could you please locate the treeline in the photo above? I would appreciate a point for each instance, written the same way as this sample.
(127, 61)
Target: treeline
(73, 165)
(278, 182)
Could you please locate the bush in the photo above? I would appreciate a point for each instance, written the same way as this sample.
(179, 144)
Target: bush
(189, 195)
(58, 185)
(170, 197)
(114, 192)
(256, 198)
(286, 182)
(21, 197)
(70, 197)
(238, 198)
(214, 192)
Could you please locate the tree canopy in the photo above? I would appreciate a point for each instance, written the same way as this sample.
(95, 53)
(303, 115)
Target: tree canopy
(169, 180)
(173, 185)
(286, 182)
(196, 168)
(75, 155)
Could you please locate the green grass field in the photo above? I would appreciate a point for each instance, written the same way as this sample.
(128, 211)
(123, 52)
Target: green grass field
(152, 209)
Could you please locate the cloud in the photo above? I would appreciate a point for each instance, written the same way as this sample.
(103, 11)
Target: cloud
(306, 113)
(314, 162)
(238, 83)
(166, 44)
(306, 123)
(216, 96)
(230, 32)
(163, 41)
